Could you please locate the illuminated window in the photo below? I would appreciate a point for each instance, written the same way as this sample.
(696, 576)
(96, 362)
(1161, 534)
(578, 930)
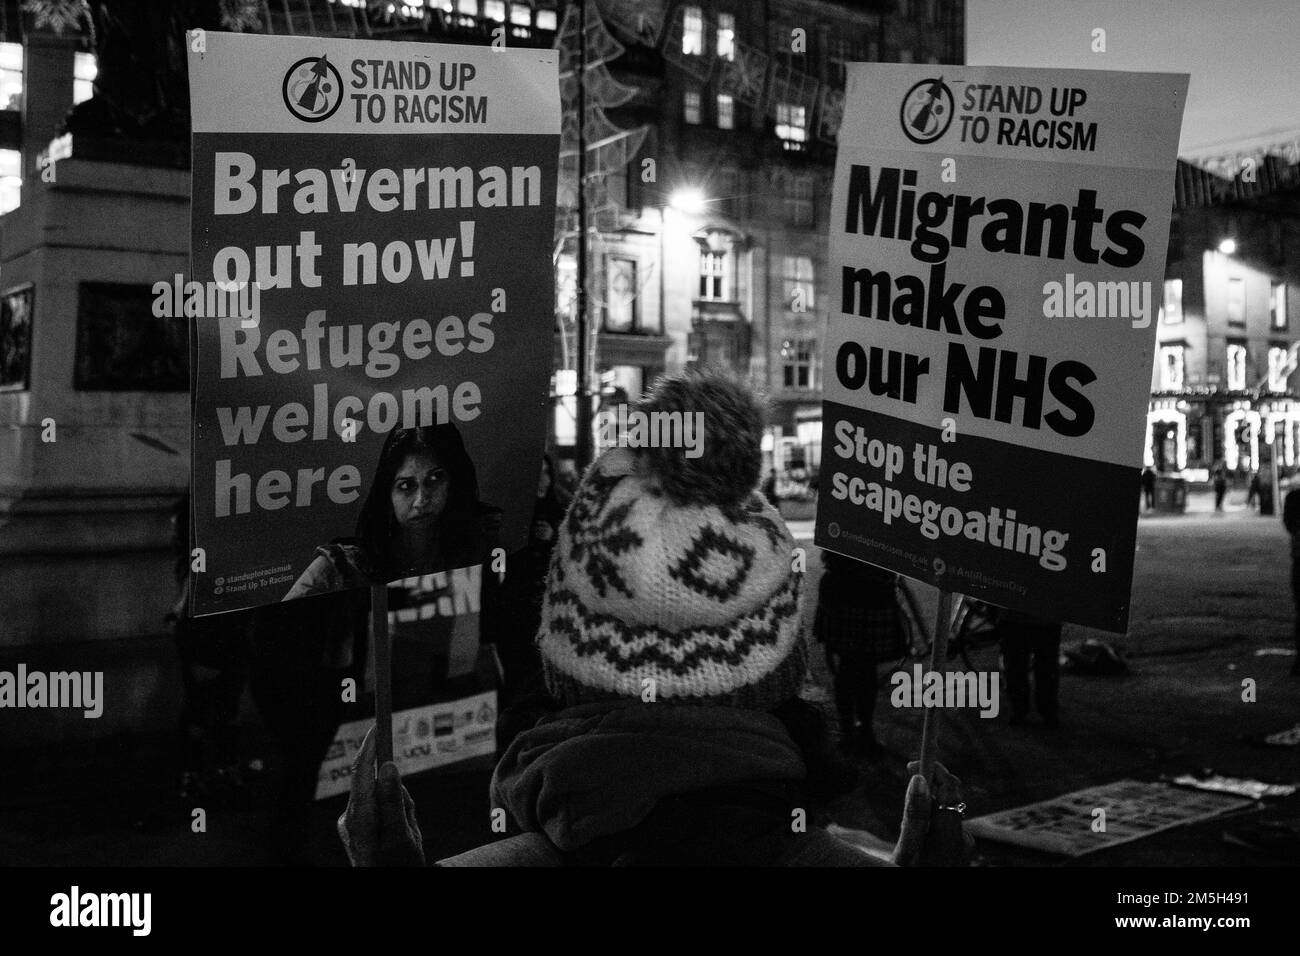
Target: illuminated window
(521, 15)
(1277, 306)
(546, 20)
(726, 112)
(691, 106)
(797, 362)
(1277, 368)
(443, 5)
(11, 76)
(1173, 306)
(792, 125)
(84, 70)
(467, 6)
(495, 10)
(713, 276)
(11, 179)
(1171, 367)
(726, 36)
(1236, 365)
(620, 295)
(798, 283)
(1236, 301)
(692, 31)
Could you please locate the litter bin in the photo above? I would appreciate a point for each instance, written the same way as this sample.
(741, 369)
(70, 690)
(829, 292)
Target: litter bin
(1171, 494)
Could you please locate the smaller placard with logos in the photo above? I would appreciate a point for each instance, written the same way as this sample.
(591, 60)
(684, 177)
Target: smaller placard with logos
(423, 738)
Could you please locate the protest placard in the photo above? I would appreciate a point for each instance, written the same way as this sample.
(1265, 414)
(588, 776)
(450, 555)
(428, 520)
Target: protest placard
(371, 295)
(424, 737)
(997, 250)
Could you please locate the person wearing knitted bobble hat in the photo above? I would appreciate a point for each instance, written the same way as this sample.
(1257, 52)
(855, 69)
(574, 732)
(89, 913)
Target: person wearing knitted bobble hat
(672, 646)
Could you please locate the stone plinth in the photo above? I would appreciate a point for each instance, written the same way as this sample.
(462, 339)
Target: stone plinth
(85, 553)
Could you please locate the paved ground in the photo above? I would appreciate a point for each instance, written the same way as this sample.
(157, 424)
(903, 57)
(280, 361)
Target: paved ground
(1211, 592)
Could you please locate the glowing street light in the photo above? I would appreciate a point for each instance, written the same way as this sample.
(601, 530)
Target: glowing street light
(1228, 246)
(688, 200)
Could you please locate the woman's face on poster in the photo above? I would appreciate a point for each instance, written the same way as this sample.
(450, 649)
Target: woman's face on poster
(420, 490)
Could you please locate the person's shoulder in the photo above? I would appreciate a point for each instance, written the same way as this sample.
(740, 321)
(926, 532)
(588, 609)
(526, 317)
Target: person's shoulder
(1291, 505)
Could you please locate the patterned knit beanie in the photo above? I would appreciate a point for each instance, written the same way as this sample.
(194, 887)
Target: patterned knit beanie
(675, 569)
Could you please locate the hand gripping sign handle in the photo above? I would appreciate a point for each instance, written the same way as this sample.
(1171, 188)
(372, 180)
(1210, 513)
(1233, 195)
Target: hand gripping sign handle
(381, 647)
(938, 656)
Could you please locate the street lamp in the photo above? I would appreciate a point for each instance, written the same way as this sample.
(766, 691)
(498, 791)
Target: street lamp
(688, 200)
(1228, 246)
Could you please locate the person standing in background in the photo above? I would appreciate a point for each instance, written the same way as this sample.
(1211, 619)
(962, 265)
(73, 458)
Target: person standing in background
(1253, 493)
(1148, 488)
(1024, 637)
(1291, 521)
(858, 621)
(1219, 475)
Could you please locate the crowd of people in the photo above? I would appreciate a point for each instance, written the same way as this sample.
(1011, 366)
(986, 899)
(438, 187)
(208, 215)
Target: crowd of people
(617, 598)
(668, 725)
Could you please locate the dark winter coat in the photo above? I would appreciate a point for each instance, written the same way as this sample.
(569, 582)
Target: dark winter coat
(628, 783)
(857, 612)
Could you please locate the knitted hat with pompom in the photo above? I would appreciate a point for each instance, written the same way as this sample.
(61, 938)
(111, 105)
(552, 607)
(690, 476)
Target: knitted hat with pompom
(672, 573)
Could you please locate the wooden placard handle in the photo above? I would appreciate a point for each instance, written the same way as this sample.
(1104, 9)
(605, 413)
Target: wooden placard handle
(381, 647)
(938, 658)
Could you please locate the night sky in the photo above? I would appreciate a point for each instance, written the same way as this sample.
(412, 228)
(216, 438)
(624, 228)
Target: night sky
(1244, 56)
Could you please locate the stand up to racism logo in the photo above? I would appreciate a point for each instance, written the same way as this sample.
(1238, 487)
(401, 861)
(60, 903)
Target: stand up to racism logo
(927, 110)
(313, 89)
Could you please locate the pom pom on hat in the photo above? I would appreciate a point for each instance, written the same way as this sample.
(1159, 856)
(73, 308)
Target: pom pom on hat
(730, 456)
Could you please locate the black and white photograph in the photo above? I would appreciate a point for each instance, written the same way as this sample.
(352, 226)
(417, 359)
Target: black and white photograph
(672, 434)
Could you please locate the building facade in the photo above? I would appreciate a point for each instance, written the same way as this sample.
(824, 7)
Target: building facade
(1224, 386)
(718, 255)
